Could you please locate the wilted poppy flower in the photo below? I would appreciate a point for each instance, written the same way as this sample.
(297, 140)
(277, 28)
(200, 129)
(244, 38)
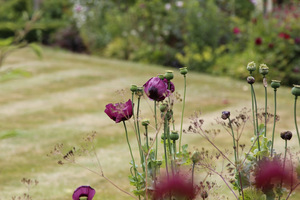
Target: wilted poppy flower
(258, 41)
(119, 111)
(157, 89)
(84, 191)
(236, 30)
(178, 186)
(270, 173)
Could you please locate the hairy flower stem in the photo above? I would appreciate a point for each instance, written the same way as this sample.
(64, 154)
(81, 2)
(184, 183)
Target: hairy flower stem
(256, 120)
(182, 112)
(295, 118)
(133, 162)
(165, 146)
(266, 106)
(275, 107)
(139, 134)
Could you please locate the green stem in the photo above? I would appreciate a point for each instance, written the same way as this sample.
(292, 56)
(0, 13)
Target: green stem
(170, 150)
(133, 162)
(183, 106)
(252, 100)
(233, 138)
(165, 146)
(295, 118)
(146, 133)
(139, 134)
(266, 109)
(255, 105)
(193, 170)
(275, 107)
(156, 141)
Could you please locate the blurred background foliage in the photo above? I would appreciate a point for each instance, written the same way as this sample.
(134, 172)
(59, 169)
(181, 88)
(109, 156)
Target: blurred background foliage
(211, 36)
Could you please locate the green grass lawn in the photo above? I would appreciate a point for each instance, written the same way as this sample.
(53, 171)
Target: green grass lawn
(62, 97)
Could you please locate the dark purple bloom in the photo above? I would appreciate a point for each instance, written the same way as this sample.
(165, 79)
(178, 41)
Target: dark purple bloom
(119, 111)
(178, 185)
(84, 191)
(157, 89)
(258, 41)
(172, 86)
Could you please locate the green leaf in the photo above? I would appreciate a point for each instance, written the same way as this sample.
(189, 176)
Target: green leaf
(6, 41)
(36, 49)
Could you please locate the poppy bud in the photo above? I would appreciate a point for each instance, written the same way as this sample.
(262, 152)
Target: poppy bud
(263, 69)
(296, 90)
(163, 107)
(174, 135)
(287, 135)
(251, 66)
(204, 195)
(145, 122)
(225, 115)
(139, 91)
(133, 88)
(196, 157)
(169, 75)
(161, 76)
(250, 80)
(275, 84)
(183, 70)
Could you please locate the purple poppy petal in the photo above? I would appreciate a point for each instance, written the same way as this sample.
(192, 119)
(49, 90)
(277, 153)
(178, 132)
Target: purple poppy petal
(119, 111)
(156, 89)
(84, 191)
(172, 86)
(110, 108)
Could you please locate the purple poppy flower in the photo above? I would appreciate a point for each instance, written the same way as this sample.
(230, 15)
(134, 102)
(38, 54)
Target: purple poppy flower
(156, 89)
(172, 86)
(119, 111)
(84, 191)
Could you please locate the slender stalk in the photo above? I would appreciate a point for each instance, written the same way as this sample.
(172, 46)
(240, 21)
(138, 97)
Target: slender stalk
(295, 118)
(266, 109)
(170, 150)
(139, 134)
(275, 107)
(255, 105)
(165, 146)
(285, 150)
(252, 100)
(156, 141)
(174, 149)
(146, 133)
(193, 170)
(182, 112)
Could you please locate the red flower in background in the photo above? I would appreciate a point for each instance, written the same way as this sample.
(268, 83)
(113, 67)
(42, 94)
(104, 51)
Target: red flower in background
(258, 41)
(284, 35)
(270, 173)
(178, 186)
(271, 45)
(236, 30)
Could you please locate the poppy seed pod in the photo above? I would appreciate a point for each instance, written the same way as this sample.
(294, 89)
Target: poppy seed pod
(139, 91)
(296, 90)
(174, 135)
(133, 88)
(163, 136)
(163, 107)
(145, 122)
(183, 70)
(263, 69)
(161, 76)
(275, 84)
(287, 135)
(251, 66)
(196, 157)
(250, 80)
(225, 115)
(169, 75)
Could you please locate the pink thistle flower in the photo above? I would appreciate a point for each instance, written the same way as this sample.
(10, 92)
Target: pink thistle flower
(258, 41)
(119, 111)
(84, 191)
(178, 186)
(236, 30)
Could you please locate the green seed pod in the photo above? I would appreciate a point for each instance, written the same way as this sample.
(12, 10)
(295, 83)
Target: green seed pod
(296, 90)
(263, 69)
(250, 80)
(183, 70)
(251, 66)
(145, 122)
(163, 136)
(169, 75)
(275, 84)
(133, 88)
(139, 92)
(163, 107)
(159, 162)
(174, 135)
(161, 76)
(196, 157)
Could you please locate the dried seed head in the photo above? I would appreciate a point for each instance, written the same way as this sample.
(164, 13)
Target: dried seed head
(225, 115)
(250, 80)
(287, 135)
